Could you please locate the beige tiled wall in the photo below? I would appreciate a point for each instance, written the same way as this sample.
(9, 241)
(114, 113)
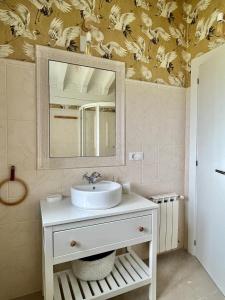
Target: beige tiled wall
(155, 122)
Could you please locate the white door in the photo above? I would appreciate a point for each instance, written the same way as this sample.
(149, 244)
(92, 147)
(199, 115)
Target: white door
(211, 156)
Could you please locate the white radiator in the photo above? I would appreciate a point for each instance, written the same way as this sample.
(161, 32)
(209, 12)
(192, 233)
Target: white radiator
(168, 218)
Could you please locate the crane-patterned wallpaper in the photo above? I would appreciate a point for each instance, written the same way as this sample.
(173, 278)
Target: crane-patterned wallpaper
(200, 17)
(150, 36)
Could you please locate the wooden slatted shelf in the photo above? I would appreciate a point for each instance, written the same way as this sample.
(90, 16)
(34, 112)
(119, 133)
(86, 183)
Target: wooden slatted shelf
(129, 273)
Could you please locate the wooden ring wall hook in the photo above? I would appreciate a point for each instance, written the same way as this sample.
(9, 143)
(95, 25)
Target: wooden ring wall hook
(13, 178)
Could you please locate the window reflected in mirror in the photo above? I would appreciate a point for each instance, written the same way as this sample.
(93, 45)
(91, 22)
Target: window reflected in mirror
(82, 111)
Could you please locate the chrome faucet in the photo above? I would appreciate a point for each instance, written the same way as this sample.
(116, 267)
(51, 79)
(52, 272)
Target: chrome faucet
(93, 178)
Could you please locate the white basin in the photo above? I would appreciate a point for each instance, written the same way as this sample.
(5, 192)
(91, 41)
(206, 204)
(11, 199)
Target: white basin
(102, 195)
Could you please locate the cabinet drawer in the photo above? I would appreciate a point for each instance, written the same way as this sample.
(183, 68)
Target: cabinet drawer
(96, 236)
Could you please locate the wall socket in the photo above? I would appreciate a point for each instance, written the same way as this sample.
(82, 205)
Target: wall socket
(136, 156)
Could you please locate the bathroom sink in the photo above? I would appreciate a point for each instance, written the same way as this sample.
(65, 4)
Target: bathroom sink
(102, 195)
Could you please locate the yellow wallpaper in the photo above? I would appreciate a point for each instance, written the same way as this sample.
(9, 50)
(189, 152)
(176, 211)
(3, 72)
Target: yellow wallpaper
(148, 35)
(155, 38)
(200, 17)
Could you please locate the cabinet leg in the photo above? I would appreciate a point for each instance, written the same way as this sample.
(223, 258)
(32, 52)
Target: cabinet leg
(152, 292)
(43, 273)
(48, 280)
(153, 256)
(152, 265)
(47, 265)
(43, 265)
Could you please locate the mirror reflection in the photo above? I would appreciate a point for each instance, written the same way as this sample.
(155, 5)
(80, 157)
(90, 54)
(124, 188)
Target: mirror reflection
(82, 111)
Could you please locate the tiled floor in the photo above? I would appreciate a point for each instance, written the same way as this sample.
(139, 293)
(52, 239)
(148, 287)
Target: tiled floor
(180, 277)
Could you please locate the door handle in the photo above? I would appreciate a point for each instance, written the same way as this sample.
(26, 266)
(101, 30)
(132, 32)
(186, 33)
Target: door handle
(220, 172)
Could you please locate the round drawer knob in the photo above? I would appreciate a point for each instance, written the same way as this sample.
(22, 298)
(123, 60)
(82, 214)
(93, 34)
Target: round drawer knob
(73, 243)
(141, 229)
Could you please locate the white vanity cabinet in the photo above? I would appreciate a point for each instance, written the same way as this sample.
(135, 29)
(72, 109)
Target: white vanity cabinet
(71, 233)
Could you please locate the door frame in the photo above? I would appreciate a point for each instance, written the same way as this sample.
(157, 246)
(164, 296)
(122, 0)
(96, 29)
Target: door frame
(192, 104)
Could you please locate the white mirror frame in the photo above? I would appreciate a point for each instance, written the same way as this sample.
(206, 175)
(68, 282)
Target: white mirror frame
(44, 161)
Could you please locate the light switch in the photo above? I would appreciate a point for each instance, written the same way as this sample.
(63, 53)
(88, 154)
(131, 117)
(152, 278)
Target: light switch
(136, 155)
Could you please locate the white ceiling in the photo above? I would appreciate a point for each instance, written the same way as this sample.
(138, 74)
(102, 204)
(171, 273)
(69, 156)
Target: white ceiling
(78, 85)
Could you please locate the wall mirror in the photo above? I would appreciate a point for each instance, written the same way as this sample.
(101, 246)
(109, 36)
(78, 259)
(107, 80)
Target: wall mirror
(80, 110)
